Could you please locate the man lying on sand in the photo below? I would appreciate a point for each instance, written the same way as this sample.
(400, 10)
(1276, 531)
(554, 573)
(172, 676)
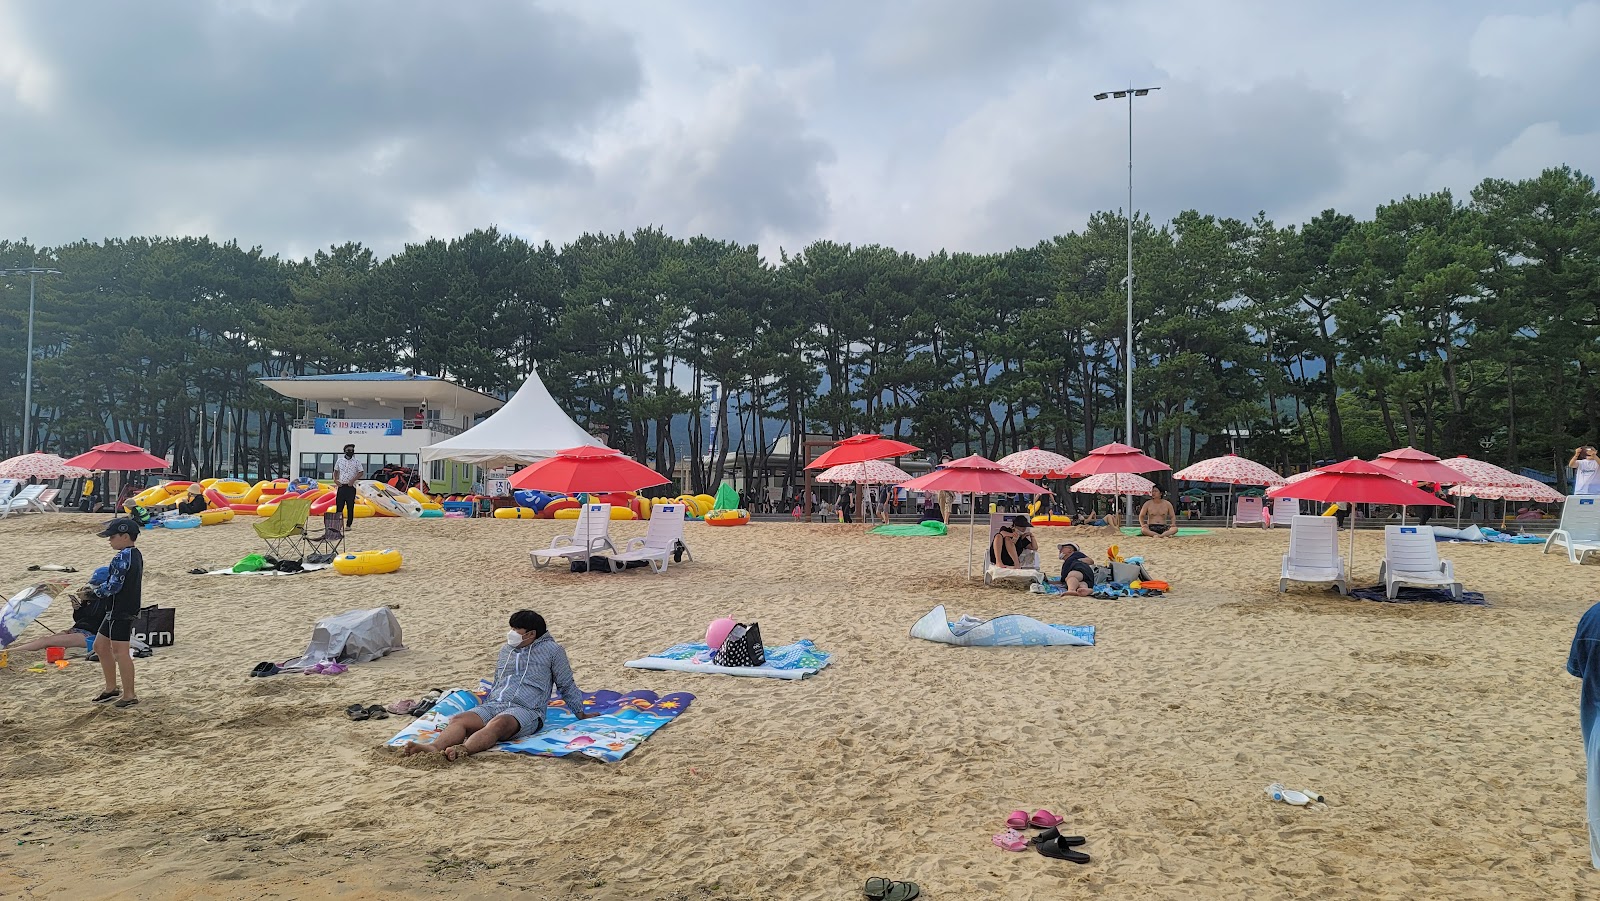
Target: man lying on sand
(530, 662)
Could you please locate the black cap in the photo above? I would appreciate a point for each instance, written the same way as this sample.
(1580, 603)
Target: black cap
(120, 526)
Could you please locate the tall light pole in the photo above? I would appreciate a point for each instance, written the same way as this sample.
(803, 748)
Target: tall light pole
(1127, 352)
(27, 379)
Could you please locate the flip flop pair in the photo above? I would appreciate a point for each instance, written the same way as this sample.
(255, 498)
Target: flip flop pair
(1041, 819)
(359, 712)
(879, 888)
(264, 668)
(1051, 843)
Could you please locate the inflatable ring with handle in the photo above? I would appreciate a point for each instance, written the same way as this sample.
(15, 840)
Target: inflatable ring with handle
(367, 563)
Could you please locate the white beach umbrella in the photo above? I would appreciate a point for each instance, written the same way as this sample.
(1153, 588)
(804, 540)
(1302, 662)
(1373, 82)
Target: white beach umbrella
(1034, 463)
(39, 465)
(1114, 483)
(872, 472)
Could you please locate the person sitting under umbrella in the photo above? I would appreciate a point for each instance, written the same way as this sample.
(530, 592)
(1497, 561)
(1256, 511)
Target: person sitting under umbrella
(1157, 519)
(1012, 541)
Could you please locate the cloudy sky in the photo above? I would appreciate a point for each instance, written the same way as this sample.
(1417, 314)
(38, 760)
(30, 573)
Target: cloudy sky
(958, 124)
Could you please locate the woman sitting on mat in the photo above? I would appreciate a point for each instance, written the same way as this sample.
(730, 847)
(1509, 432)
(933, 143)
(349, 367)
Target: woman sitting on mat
(1013, 539)
(1077, 570)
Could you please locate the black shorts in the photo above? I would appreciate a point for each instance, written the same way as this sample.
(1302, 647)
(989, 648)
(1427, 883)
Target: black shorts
(117, 628)
(1158, 527)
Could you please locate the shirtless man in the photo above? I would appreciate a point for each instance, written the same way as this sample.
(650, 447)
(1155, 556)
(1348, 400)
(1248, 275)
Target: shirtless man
(1157, 519)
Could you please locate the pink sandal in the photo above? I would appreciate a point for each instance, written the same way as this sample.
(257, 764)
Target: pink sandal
(1044, 819)
(1017, 819)
(1011, 840)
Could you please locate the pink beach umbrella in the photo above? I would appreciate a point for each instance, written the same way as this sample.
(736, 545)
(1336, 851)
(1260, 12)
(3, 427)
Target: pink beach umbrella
(1034, 463)
(1479, 475)
(1231, 470)
(1114, 483)
(977, 475)
(868, 472)
(39, 465)
(1415, 466)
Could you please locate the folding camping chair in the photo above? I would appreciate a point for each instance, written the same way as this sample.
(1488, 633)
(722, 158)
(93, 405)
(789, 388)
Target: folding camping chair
(284, 531)
(1026, 568)
(325, 545)
(1579, 531)
(1313, 554)
(661, 539)
(1411, 557)
(591, 533)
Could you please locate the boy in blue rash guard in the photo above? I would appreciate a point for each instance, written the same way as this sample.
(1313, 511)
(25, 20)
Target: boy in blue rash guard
(122, 590)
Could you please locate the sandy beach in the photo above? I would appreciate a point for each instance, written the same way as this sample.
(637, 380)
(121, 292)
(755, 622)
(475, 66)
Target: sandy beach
(1444, 737)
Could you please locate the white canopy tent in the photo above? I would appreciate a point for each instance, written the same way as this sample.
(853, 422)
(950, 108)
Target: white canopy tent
(530, 427)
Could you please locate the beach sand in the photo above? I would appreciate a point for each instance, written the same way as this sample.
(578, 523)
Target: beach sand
(1445, 738)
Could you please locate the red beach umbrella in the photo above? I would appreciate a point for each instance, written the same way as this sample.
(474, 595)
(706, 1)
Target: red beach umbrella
(977, 475)
(587, 469)
(1413, 465)
(1114, 457)
(1356, 481)
(860, 449)
(118, 456)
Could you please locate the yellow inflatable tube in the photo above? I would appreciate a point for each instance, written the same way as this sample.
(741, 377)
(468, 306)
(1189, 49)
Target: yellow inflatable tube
(515, 513)
(619, 513)
(367, 563)
(1332, 509)
(214, 517)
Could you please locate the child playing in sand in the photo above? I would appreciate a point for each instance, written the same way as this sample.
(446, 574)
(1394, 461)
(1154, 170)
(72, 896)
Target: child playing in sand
(1077, 570)
(123, 590)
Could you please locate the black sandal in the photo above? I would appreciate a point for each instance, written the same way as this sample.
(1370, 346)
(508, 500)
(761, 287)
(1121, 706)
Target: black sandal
(357, 712)
(126, 702)
(1061, 852)
(376, 712)
(105, 696)
(1054, 833)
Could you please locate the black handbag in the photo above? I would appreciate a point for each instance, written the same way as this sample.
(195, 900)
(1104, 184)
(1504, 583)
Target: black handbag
(742, 647)
(155, 625)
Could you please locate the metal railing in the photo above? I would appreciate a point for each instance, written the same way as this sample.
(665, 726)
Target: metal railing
(442, 428)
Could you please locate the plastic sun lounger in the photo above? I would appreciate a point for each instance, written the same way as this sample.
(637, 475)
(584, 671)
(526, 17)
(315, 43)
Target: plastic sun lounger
(590, 533)
(664, 535)
(1411, 557)
(1313, 554)
(25, 501)
(1579, 531)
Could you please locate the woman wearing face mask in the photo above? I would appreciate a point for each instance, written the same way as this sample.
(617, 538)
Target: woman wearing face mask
(530, 663)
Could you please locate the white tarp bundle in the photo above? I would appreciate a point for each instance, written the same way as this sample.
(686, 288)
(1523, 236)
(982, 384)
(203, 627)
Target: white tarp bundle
(355, 636)
(1010, 630)
(530, 427)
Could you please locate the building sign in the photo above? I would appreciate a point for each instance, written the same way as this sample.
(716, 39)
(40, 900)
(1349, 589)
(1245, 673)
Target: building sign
(324, 426)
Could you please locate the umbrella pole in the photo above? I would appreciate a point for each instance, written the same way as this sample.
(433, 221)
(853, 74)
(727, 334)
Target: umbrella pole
(1227, 512)
(1350, 570)
(970, 533)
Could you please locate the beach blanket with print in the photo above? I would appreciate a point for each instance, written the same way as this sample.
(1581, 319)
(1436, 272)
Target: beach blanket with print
(784, 661)
(618, 723)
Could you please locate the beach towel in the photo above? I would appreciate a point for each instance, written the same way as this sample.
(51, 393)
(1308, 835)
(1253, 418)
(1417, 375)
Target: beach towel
(930, 529)
(1010, 630)
(789, 661)
(620, 723)
(1418, 596)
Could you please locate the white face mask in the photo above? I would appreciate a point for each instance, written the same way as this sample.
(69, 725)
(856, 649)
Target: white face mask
(513, 638)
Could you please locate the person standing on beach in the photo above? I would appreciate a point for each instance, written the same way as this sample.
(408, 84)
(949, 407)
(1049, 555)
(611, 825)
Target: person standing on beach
(1585, 466)
(347, 471)
(1584, 662)
(530, 663)
(123, 590)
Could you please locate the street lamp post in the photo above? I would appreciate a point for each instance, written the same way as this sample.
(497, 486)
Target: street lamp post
(1127, 353)
(27, 379)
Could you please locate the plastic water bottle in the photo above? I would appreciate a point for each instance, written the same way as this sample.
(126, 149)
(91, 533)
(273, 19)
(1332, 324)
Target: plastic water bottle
(1277, 792)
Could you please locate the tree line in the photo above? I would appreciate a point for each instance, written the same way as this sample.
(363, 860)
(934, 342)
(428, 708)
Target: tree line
(1457, 326)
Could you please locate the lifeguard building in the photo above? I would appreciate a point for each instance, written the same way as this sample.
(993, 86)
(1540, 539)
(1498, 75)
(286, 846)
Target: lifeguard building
(389, 416)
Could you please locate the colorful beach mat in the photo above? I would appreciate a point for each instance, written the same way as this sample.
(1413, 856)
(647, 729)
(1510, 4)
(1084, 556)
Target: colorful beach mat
(1418, 596)
(789, 661)
(623, 722)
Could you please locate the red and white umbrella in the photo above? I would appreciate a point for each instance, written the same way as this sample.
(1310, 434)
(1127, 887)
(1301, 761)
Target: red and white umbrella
(1229, 470)
(1034, 463)
(1530, 490)
(1114, 483)
(1482, 475)
(869, 472)
(39, 465)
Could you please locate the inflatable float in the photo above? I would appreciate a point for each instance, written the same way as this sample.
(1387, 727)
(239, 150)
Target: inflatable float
(729, 518)
(1052, 520)
(217, 516)
(367, 563)
(389, 500)
(515, 513)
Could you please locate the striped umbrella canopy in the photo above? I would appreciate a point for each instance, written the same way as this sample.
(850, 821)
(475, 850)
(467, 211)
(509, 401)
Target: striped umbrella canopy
(1034, 463)
(1114, 483)
(869, 472)
(1232, 470)
(1482, 475)
(39, 465)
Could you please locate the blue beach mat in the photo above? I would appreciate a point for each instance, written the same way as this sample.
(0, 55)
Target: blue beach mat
(1010, 630)
(788, 661)
(623, 722)
(1418, 596)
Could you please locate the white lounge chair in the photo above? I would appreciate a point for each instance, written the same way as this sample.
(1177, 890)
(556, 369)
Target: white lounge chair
(664, 535)
(1247, 512)
(590, 535)
(47, 501)
(1579, 531)
(8, 487)
(1284, 509)
(1411, 557)
(1314, 554)
(24, 501)
(1027, 568)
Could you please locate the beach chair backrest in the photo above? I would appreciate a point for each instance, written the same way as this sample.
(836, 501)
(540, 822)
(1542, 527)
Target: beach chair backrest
(1410, 549)
(594, 521)
(48, 496)
(290, 515)
(1313, 540)
(1248, 509)
(1285, 508)
(1580, 518)
(332, 526)
(666, 526)
(7, 486)
(27, 495)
